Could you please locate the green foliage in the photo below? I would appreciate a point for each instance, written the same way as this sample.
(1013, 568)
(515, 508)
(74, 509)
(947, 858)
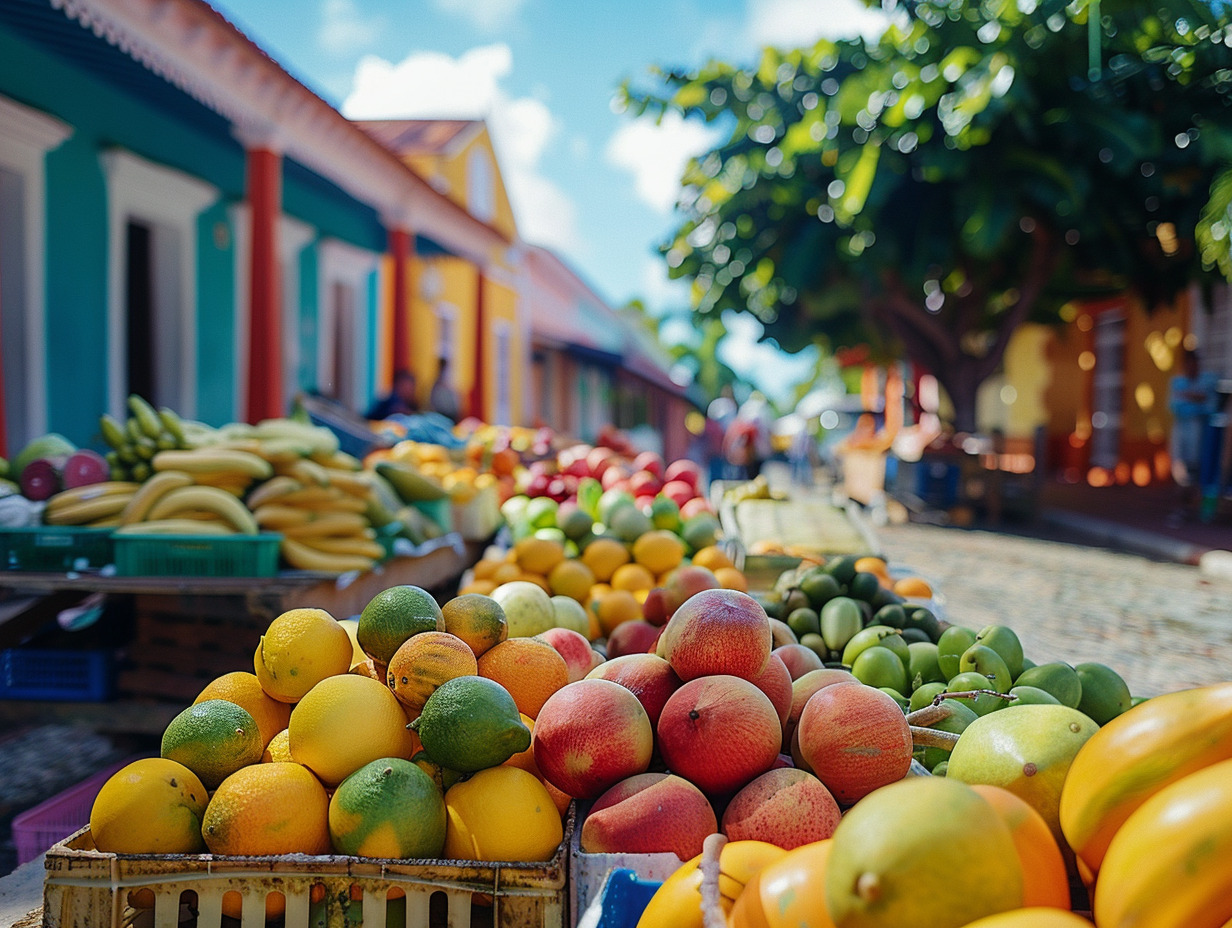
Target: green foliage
(930, 191)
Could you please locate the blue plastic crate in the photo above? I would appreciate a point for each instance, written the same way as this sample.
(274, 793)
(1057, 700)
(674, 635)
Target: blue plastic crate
(624, 899)
(55, 675)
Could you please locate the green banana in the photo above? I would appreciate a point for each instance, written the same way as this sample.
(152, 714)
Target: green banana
(113, 431)
(172, 424)
(146, 416)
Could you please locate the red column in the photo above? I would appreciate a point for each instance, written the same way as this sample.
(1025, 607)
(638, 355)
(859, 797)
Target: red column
(400, 341)
(265, 398)
(477, 385)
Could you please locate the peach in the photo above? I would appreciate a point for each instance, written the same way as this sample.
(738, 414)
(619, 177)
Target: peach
(590, 735)
(718, 632)
(649, 813)
(648, 677)
(654, 608)
(855, 738)
(685, 471)
(633, 637)
(775, 682)
(684, 582)
(799, 659)
(781, 633)
(573, 647)
(805, 686)
(783, 806)
(719, 732)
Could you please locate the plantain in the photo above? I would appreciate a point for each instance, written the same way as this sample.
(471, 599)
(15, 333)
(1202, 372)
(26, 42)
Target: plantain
(151, 492)
(207, 498)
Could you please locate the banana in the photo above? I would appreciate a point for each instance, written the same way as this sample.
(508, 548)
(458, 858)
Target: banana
(332, 523)
(222, 478)
(177, 527)
(342, 503)
(151, 492)
(317, 439)
(302, 557)
(356, 483)
(309, 472)
(339, 460)
(134, 430)
(145, 447)
(275, 518)
(282, 450)
(311, 496)
(91, 491)
(271, 490)
(113, 431)
(146, 416)
(208, 498)
(211, 460)
(173, 426)
(140, 470)
(127, 454)
(109, 522)
(81, 513)
(353, 545)
(1134, 756)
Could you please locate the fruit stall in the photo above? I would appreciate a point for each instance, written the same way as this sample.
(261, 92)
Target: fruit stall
(603, 719)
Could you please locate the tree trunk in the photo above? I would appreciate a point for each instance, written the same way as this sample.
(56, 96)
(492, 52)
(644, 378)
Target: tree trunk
(961, 380)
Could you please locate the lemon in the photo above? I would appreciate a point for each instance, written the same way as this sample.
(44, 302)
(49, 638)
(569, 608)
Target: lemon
(502, 813)
(388, 808)
(152, 806)
(659, 551)
(279, 748)
(299, 649)
(213, 739)
(469, 723)
(352, 629)
(343, 723)
(394, 615)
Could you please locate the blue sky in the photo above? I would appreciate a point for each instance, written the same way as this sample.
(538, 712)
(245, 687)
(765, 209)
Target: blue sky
(593, 184)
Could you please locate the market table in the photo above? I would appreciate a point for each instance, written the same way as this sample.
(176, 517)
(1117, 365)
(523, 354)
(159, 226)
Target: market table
(189, 630)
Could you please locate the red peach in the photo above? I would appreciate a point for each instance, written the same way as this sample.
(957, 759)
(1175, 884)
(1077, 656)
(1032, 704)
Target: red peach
(648, 677)
(590, 735)
(634, 637)
(573, 647)
(719, 732)
(781, 634)
(685, 471)
(654, 609)
(678, 492)
(784, 806)
(695, 506)
(685, 582)
(804, 687)
(718, 632)
(855, 738)
(775, 682)
(644, 483)
(799, 659)
(651, 462)
(650, 813)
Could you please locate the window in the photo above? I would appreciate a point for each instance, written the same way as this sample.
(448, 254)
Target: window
(480, 183)
(27, 138)
(345, 322)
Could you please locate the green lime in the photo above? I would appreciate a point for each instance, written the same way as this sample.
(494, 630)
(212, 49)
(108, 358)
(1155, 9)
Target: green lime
(915, 634)
(394, 615)
(842, 568)
(892, 614)
(1057, 678)
(922, 617)
(471, 723)
(1105, 695)
(950, 646)
(820, 587)
(863, 585)
(213, 739)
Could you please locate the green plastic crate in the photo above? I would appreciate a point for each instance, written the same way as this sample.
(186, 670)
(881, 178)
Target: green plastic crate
(55, 548)
(197, 555)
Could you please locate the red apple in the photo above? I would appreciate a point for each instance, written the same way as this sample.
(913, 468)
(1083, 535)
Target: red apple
(649, 461)
(686, 471)
(694, 506)
(599, 460)
(644, 483)
(678, 492)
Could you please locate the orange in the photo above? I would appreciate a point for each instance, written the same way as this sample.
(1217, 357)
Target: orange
(915, 587)
(477, 619)
(632, 577)
(658, 551)
(424, 662)
(276, 808)
(571, 578)
(343, 723)
(244, 689)
(529, 669)
(484, 569)
(712, 557)
(538, 580)
(603, 556)
(731, 579)
(505, 573)
(483, 587)
(615, 607)
(299, 649)
(871, 565)
(538, 555)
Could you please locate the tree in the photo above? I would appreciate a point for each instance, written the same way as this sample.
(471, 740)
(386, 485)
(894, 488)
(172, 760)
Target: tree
(979, 166)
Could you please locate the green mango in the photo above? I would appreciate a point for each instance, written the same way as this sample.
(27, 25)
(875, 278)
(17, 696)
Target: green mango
(950, 646)
(880, 667)
(987, 663)
(1003, 640)
(1057, 678)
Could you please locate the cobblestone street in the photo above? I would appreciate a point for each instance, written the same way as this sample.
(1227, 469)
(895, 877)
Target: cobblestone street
(1162, 626)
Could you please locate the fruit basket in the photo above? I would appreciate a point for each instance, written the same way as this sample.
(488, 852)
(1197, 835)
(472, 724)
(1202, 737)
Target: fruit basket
(55, 548)
(56, 675)
(197, 555)
(620, 904)
(589, 872)
(87, 888)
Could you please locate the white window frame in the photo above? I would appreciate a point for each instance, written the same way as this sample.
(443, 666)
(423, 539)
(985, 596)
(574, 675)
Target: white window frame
(342, 263)
(480, 184)
(27, 138)
(141, 190)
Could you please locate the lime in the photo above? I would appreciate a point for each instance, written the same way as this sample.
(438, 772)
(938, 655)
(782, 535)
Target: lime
(471, 723)
(892, 614)
(804, 620)
(863, 585)
(213, 739)
(820, 587)
(393, 616)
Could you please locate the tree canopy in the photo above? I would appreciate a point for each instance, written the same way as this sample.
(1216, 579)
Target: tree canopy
(978, 166)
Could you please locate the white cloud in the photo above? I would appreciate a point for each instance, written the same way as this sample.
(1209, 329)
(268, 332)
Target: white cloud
(487, 15)
(433, 85)
(796, 23)
(770, 369)
(660, 292)
(656, 154)
(344, 28)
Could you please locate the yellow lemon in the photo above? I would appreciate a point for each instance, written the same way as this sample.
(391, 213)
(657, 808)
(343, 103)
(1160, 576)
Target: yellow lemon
(659, 551)
(279, 749)
(152, 806)
(501, 813)
(538, 555)
(299, 649)
(603, 556)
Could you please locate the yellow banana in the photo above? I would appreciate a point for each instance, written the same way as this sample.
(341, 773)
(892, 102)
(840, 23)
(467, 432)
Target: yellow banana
(302, 557)
(151, 492)
(343, 503)
(348, 544)
(339, 460)
(109, 522)
(145, 415)
(271, 490)
(275, 517)
(91, 491)
(309, 472)
(177, 527)
(311, 496)
(353, 482)
(90, 510)
(212, 460)
(1167, 866)
(282, 450)
(235, 484)
(332, 523)
(1137, 754)
(207, 498)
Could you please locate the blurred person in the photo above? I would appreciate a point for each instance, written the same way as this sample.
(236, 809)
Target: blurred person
(801, 454)
(1192, 398)
(400, 400)
(757, 418)
(444, 399)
